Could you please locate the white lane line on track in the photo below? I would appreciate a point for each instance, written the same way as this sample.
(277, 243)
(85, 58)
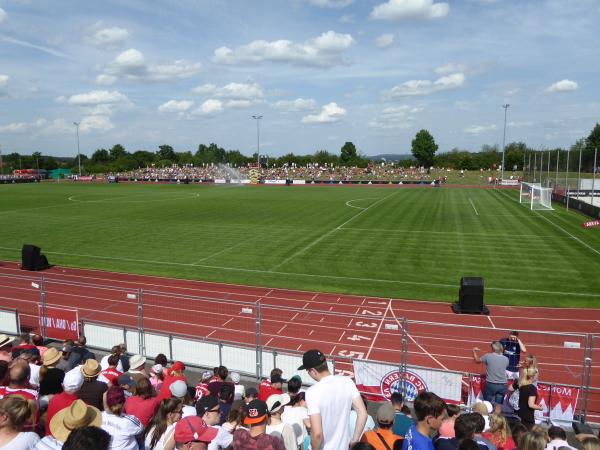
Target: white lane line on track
(225, 324)
(341, 336)
(311, 332)
(282, 328)
(314, 297)
(268, 342)
(475, 209)
(323, 236)
(220, 252)
(491, 322)
(389, 306)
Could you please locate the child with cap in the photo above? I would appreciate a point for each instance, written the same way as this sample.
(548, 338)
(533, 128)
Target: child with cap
(382, 437)
(257, 414)
(276, 427)
(191, 433)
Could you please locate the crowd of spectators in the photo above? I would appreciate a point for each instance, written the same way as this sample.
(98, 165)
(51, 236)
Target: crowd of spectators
(67, 398)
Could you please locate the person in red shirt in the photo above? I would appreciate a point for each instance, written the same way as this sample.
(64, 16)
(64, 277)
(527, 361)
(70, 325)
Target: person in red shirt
(110, 374)
(24, 345)
(71, 385)
(274, 388)
(202, 386)
(142, 405)
(176, 372)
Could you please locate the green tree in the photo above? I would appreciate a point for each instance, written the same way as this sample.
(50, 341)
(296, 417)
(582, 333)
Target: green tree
(348, 153)
(100, 156)
(166, 152)
(424, 148)
(117, 152)
(36, 157)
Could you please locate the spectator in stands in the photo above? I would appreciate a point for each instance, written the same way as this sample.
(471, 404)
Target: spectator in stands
(64, 364)
(513, 347)
(202, 386)
(80, 353)
(369, 425)
(123, 428)
(294, 386)
(110, 374)
(38, 341)
(137, 369)
(495, 379)
(124, 358)
(479, 425)
(297, 416)
(484, 408)
(214, 387)
(468, 444)
(382, 437)
(266, 382)
(517, 431)
(127, 383)
(104, 362)
(532, 441)
(464, 428)
(161, 359)
(175, 373)
(88, 438)
(5, 349)
(71, 385)
(590, 443)
(251, 394)
(142, 405)
(499, 433)
(447, 428)
(256, 415)
(402, 421)
(208, 409)
(34, 367)
(157, 376)
(238, 392)
(3, 373)
(328, 402)
(191, 433)
(429, 411)
(14, 413)
(50, 377)
(528, 397)
(226, 402)
(24, 344)
(77, 415)
(180, 390)
(558, 439)
(273, 388)
(160, 433)
(275, 426)
(92, 390)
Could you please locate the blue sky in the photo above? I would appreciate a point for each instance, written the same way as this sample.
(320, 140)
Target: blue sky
(320, 72)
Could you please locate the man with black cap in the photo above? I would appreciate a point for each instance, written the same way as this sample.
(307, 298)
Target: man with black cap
(208, 408)
(326, 402)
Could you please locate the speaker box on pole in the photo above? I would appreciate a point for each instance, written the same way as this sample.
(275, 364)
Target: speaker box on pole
(470, 297)
(32, 259)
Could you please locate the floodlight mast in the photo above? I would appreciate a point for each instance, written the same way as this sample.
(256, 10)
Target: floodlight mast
(257, 118)
(505, 106)
(78, 153)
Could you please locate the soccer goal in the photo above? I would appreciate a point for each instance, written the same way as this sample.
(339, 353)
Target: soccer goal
(536, 196)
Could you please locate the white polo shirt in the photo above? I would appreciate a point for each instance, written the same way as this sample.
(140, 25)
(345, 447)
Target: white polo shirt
(332, 399)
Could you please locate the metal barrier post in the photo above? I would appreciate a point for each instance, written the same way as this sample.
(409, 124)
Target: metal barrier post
(220, 353)
(549, 406)
(140, 311)
(43, 312)
(170, 347)
(258, 343)
(403, 356)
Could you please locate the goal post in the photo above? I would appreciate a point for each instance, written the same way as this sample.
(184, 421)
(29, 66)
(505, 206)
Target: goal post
(535, 196)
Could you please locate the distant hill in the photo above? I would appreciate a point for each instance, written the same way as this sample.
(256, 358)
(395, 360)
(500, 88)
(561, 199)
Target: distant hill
(389, 157)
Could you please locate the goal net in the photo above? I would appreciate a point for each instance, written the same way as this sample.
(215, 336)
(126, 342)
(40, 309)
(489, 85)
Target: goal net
(535, 196)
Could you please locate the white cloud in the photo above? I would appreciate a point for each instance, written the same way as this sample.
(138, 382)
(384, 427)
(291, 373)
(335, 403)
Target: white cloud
(450, 68)
(240, 91)
(479, 129)
(131, 64)
(93, 98)
(204, 89)
(395, 117)
(323, 51)
(3, 80)
(385, 40)
(209, 107)
(563, 86)
(329, 113)
(238, 104)
(95, 123)
(395, 10)
(300, 104)
(39, 125)
(347, 18)
(426, 87)
(2, 15)
(331, 3)
(174, 106)
(111, 38)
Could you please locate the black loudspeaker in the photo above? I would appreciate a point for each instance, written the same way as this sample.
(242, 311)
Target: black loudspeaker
(32, 259)
(470, 297)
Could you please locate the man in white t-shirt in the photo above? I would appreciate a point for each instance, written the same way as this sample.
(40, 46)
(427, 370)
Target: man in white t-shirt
(326, 402)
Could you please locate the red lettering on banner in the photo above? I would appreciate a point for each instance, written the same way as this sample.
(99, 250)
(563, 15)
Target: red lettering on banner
(593, 223)
(60, 323)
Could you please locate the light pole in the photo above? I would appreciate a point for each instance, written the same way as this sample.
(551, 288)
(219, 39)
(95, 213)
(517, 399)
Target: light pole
(78, 154)
(257, 118)
(504, 139)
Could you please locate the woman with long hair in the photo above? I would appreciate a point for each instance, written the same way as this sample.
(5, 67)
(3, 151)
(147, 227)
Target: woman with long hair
(528, 397)
(499, 433)
(160, 434)
(14, 413)
(532, 440)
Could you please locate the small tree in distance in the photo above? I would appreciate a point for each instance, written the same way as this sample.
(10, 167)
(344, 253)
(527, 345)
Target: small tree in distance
(424, 148)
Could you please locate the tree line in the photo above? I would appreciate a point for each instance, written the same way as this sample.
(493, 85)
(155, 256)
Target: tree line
(423, 148)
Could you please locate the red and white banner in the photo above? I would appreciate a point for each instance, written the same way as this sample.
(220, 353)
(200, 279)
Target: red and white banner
(379, 381)
(561, 399)
(60, 323)
(593, 223)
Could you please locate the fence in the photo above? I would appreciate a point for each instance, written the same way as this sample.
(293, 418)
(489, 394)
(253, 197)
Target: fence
(253, 335)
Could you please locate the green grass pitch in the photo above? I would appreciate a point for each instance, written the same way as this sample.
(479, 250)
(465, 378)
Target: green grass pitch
(411, 243)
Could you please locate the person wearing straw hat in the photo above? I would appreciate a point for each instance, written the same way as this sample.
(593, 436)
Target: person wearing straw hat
(92, 390)
(5, 344)
(71, 385)
(77, 415)
(51, 378)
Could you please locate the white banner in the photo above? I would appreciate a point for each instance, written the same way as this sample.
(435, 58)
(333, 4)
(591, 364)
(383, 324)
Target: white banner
(299, 182)
(275, 181)
(382, 380)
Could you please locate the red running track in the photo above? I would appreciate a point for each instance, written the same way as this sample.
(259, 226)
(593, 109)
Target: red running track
(340, 325)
